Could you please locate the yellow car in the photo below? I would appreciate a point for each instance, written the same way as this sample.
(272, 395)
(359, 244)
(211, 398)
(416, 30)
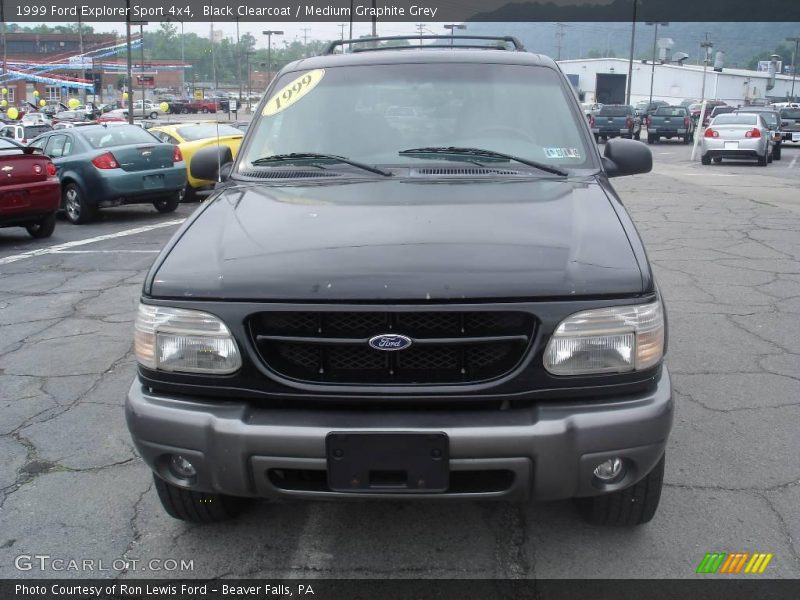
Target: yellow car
(191, 137)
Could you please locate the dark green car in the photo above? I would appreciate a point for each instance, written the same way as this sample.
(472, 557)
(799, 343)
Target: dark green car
(110, 165)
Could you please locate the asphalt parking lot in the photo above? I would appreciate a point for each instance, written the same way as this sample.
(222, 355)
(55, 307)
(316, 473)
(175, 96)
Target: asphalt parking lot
(724, 242)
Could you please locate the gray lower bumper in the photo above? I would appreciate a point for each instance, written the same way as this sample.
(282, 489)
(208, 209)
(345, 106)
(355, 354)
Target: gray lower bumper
(551, 449)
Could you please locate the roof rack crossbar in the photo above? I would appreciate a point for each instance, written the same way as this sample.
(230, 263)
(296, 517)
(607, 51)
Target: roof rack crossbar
(506, 39)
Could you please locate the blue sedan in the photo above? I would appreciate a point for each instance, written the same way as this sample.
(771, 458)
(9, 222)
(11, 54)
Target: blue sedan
(103, 165)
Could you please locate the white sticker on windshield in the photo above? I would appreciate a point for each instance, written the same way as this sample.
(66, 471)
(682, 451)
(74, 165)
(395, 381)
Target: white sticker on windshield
(561, 153)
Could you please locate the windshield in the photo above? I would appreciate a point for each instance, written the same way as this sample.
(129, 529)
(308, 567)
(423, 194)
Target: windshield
(372, 113)
(106, 137)
(790, 113)
(671, 111)
(771, 118)
(614, 111)
(201, 132)
(731, 119)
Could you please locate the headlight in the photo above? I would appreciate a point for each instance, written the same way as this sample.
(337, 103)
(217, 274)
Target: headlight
(607, 340)
(190, 341)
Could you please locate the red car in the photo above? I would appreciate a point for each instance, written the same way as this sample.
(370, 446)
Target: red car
(30, 193)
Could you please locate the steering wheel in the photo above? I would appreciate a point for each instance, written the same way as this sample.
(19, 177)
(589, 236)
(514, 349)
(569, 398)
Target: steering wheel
(515, 133)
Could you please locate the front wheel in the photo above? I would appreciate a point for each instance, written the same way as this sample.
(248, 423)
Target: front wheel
(635, 505)
(74, 203)
(197, 507)
(154, 115)
(43, 228)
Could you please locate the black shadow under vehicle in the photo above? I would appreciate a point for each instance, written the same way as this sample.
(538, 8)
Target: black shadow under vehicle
(415, 281)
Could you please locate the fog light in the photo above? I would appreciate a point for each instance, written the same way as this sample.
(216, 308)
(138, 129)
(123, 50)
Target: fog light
(609, 470)
(181, 467)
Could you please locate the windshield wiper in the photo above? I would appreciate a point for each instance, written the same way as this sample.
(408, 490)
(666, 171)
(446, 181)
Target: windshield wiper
(314, 156)
(479, 152)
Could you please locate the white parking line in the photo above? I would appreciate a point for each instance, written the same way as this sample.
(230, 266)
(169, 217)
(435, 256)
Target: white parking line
(793, 163)
(107, 252)
(59, 248)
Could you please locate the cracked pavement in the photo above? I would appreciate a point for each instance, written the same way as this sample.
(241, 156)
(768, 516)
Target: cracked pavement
(725, 246)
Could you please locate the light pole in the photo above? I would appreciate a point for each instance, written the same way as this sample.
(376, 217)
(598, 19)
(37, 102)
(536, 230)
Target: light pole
(630, 59)
(269, 33)
(796, 41)
(452, 27)
(141, 25)
(653, 70)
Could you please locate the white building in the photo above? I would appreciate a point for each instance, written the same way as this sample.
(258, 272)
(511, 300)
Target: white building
(674, 83)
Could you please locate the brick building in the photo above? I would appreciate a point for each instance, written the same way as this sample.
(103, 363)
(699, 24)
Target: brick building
(49, 58)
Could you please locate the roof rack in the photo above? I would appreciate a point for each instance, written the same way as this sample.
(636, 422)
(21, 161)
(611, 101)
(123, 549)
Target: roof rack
(506, 39)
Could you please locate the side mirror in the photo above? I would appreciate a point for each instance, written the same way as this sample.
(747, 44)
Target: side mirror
(626, 157)
(206, 163)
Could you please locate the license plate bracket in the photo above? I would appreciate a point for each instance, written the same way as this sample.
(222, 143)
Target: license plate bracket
(153, 182)
(731, 145)
(388, 463)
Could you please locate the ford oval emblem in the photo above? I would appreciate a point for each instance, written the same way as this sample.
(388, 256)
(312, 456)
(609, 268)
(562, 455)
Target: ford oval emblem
(389, 342)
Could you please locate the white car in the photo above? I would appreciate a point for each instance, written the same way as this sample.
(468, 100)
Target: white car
(23, 132)
(36, 119)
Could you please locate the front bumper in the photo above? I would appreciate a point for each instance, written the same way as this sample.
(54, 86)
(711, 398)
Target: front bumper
(548, 450)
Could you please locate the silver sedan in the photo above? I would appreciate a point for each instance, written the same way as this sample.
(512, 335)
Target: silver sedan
(735, 135)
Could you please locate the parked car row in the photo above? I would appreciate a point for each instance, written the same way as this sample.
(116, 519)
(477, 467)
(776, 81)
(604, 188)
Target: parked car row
(81, 168)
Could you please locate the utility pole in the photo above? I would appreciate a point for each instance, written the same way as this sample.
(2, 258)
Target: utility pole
(3, 32)
(630, 59)
(213, 60)
(305, 31)
(420, 27)
(342, 26)
(238, 61)
(83, 66)
(653, 68)
(269, 33)
(374, 18)
(129, 86)
(796, 41)
(559, 39)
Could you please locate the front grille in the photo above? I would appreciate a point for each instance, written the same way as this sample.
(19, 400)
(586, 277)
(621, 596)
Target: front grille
(448, 347)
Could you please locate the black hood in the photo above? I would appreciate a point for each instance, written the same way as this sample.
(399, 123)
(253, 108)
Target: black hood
(403, 239)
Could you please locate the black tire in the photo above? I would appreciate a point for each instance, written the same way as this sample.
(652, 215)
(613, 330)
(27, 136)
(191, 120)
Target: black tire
(184, 111)
(651, 139)
(635, 505)
(153, 115)
(763, 160)
(43, 228)
(776, 152)
(705, 159)
(190, 194)
(638, 135)
(74, 204)
(169, 204)
(197, 507)
(717, 159)
(687, 139)
(770, 157)
(205, 110)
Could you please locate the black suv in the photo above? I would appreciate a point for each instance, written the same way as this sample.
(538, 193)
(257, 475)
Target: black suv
(415, 281)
